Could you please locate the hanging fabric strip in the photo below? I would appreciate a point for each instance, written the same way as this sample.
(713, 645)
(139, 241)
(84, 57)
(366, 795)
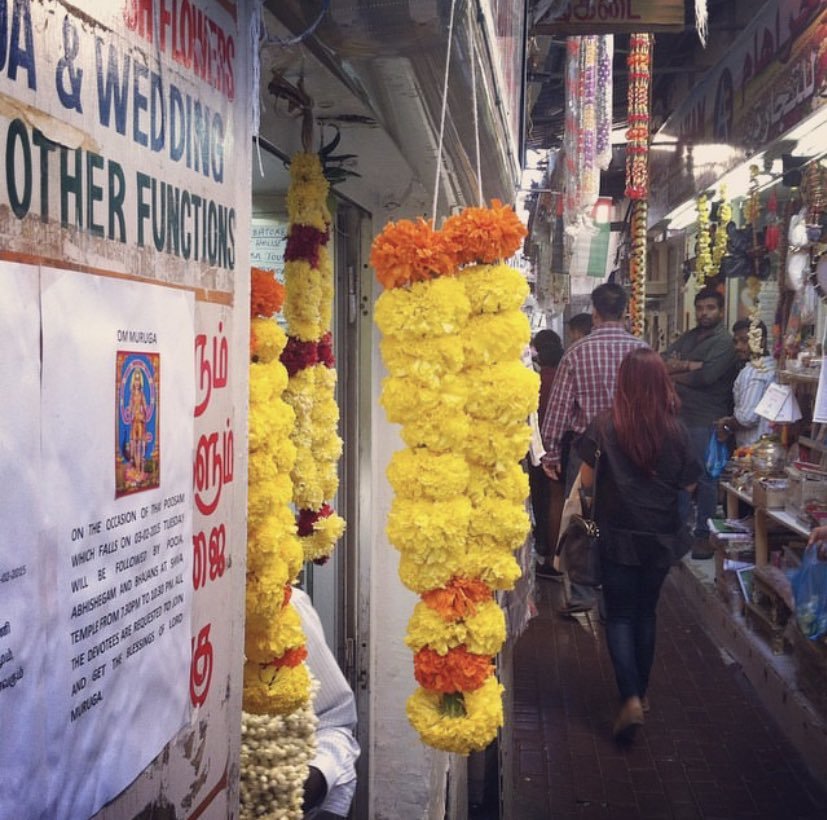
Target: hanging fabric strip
(605, 56)
(444, 108)
(701, 21)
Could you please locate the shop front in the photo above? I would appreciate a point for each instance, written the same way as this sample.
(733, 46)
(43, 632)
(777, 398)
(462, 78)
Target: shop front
(741, 208)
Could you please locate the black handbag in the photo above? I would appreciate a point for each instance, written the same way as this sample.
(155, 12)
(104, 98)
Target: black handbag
(579, 546)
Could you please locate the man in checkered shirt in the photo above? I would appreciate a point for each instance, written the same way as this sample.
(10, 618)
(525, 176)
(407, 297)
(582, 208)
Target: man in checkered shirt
(584, 385)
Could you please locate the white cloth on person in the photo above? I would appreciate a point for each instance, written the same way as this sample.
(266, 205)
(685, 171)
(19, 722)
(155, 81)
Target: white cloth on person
(335, 706)
(749, 388)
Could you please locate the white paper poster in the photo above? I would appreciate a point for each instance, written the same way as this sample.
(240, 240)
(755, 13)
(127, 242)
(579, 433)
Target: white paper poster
(117, 450)
(820, 407)
(23, 622)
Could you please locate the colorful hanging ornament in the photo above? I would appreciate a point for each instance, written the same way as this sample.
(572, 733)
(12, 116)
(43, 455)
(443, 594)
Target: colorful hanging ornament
(637, 135)
(603, 102)
(308, 356)
(452, 346)
(587, 138)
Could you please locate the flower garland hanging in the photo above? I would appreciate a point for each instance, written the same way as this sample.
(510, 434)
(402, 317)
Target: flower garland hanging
(637, 267)
(719, 247)
(275, 755)
(752, 215)
(452, 338)
(590, 175)
(276, 680)
(703, 254)
(639, 61)
(308, 357)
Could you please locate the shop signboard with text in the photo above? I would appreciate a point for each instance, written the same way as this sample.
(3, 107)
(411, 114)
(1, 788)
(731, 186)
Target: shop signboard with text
(771, 79)
(123, 351)
(613, 17)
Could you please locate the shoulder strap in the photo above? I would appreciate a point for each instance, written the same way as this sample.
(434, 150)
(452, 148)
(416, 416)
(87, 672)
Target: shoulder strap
(594, 482)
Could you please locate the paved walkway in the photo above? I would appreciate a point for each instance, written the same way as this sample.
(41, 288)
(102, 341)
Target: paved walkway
(708, 750)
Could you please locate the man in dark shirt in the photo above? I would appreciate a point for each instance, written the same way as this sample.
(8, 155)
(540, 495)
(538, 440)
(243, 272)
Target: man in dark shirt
(703, 365)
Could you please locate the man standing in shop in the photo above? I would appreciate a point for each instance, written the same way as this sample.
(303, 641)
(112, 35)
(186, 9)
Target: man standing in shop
(757, 374)
(702, 363)
(584, 386)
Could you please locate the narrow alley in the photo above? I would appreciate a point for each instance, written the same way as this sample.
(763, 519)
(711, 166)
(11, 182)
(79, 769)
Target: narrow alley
(709, 748)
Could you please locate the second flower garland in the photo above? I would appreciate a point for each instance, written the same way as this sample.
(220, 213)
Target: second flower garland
(452, 339)
(308, 357)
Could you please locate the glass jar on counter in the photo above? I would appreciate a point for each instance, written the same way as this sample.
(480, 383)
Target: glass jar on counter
(769, 456)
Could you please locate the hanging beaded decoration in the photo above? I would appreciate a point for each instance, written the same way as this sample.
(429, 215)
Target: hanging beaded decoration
(637, 136)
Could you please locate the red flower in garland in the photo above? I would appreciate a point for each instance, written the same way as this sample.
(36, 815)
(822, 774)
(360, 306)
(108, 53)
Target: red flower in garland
(457, 671)
(298, 355)
(325, 350)
(307, 518)
(303, 244)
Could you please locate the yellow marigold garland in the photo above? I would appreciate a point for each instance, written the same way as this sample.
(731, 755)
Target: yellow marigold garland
(309, 359)
(452, 341)
(273, 633)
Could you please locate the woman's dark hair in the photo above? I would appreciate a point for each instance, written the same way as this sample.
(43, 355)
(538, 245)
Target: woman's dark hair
(549, 348)
(645, 408)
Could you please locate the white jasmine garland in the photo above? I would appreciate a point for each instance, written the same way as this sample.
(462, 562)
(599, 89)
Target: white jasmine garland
(275, 755)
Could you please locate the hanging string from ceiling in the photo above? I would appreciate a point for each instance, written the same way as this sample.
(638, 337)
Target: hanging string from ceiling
(272, 40)
(480, 201)
(444, 108)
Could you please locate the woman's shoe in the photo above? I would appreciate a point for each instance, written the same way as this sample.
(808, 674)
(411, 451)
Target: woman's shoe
(629, 719)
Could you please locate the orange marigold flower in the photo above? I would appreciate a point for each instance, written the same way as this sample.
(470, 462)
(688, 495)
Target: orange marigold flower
(484, 234)
(458, 598)
(266, 294)
(408, 252)
(457, 671)
(290, 657)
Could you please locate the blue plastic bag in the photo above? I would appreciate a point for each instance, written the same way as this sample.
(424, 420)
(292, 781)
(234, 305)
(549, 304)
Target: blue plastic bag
(717, 455)
(809, 584)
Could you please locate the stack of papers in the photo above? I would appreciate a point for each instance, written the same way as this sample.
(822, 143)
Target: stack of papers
(731, 529)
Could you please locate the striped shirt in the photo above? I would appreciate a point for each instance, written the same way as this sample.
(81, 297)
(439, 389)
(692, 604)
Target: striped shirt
(584, 384)
(749, 388)
(336, 747)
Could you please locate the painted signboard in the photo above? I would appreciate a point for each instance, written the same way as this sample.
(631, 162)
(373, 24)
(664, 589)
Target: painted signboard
(771, 78)
(123, 359)
(613, 16)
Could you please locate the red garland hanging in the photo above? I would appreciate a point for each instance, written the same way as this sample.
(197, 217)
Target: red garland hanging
(637, 135)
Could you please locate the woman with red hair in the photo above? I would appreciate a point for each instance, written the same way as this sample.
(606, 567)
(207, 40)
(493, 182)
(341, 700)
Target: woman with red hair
(645, 459)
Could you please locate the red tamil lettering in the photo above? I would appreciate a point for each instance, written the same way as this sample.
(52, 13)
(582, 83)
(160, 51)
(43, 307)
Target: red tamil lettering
(203, 370)
(208, 475)
(199, 560)
(201, 667)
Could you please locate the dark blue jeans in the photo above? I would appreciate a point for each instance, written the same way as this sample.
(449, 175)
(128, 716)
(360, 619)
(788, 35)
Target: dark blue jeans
(631, 598)
(706, 495)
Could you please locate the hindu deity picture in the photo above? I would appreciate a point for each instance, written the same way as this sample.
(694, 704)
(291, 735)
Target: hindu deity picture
(137, 445)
